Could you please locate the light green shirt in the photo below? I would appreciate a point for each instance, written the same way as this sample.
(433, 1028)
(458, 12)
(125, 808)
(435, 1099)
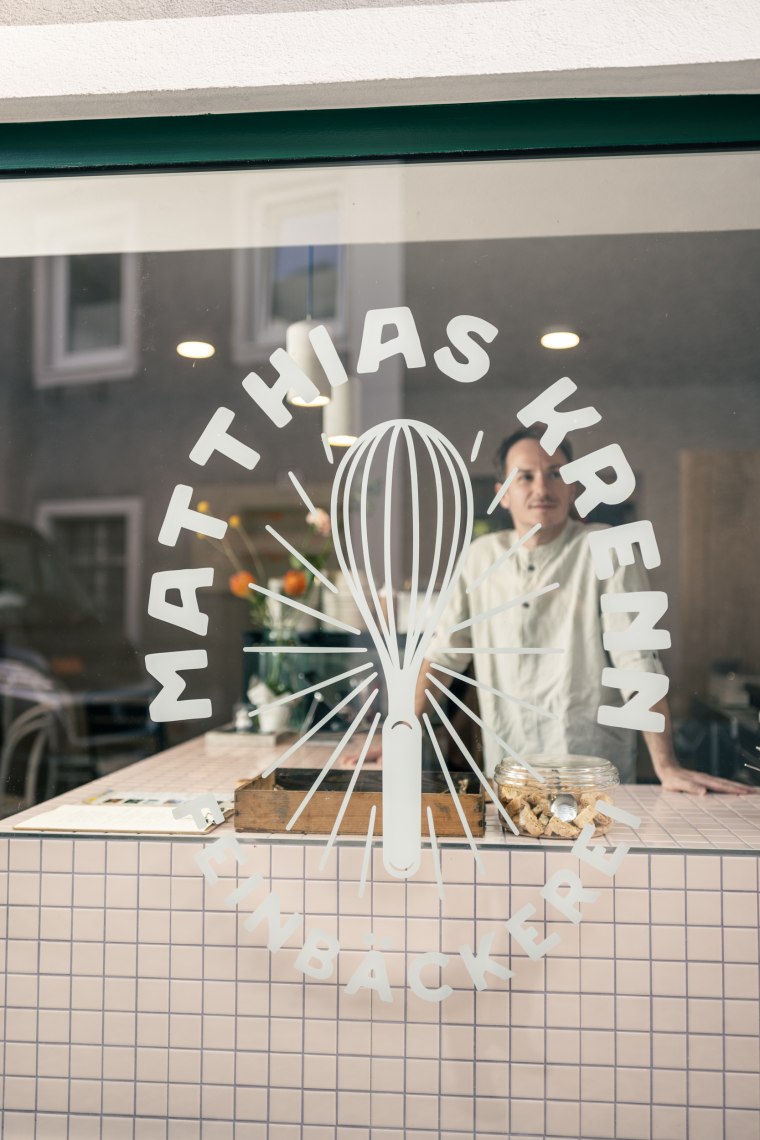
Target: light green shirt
(567, 684)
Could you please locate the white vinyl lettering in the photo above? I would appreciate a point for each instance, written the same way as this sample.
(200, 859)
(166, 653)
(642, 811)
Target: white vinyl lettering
(617, 813)
(648, 606)
(463, 358)
(586, 471)
(649, 688)
(576, 893)
(289, 377)
(203, 809)
(476, 360)
(165, 668)
(327, 355)
(527, 937)
(416, 984)
(544, 410)
(269, 911)
(215, 438)
(241, 893)
(622, 539)
(405, 343)
(316, 956)
(216, 853)
(179, 517)
(480, 964)
(371, 974)
(596, 856)
(187, 615)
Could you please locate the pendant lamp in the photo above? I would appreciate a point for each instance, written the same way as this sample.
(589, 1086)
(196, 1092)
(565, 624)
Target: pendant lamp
(340, 417)
(300, 349)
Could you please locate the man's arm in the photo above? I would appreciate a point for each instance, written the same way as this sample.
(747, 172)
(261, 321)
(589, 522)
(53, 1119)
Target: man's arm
(669, 772)
(421, 703)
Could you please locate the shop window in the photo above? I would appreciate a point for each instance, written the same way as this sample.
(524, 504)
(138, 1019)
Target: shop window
(85, 318)
(274, 286)
(99, 540)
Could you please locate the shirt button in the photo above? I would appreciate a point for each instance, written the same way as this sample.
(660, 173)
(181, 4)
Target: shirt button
(531, 568)
(526, 605)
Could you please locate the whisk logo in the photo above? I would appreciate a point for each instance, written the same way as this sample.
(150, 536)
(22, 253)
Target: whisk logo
(401, 456)
(401, 659)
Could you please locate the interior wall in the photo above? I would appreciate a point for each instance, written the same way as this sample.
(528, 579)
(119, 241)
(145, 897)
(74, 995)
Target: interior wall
(668, 356)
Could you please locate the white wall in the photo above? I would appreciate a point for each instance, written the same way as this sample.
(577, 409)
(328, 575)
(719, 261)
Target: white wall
(91, 60)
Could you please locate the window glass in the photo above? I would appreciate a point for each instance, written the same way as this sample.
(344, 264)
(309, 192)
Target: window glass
(93, 301)
(95, 551)
(653, 261)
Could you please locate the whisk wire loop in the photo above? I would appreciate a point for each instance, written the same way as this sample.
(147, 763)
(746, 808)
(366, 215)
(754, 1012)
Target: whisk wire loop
(462, 532)
(415, 506)
(388, 546)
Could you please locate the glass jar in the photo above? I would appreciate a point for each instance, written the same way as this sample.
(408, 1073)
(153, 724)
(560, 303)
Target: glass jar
(560, 806)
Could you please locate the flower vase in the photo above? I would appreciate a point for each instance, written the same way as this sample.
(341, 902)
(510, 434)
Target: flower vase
(268, 677)
(274, 719)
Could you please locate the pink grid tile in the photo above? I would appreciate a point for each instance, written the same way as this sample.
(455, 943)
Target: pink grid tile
(617, 998)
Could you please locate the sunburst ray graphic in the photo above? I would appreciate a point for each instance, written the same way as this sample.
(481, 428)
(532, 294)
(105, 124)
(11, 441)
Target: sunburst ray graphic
(377, 488)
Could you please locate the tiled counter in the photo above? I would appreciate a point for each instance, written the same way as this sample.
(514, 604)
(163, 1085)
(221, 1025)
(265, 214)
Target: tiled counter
(137, 1005)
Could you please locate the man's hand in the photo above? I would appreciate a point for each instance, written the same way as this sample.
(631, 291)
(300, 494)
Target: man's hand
(374, 758)
(674, 778)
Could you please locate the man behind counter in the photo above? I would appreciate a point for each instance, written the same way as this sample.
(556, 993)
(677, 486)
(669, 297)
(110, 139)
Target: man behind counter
(567, 684)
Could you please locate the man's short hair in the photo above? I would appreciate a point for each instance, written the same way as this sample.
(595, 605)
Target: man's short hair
(516, 437)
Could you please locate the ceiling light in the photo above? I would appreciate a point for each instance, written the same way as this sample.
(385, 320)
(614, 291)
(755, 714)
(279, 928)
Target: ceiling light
(560, 338)
(195, 349)
(340, 417)
(297, 402)
(301, 351)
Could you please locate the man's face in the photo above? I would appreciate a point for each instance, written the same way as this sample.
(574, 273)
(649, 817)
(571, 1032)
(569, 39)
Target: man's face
(537, 493)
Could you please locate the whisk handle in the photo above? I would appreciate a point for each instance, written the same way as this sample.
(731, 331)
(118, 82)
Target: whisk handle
(402, 796)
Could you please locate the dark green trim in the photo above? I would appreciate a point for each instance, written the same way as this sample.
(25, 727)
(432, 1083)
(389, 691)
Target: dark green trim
(474, 128)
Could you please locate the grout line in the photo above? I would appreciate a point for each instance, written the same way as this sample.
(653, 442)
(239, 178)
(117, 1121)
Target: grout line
(37, 1011)
(651, 1001)
(439, 1113)
(269, 1007)
(4, 1043)
(303, 982)
(236, 926)
(686, 985)
(71, 983)
(509, 1020)
(136, 874)
(615, 1061)
(722, 995)
(203, 984)
(406, 1005)
(103, 1002)
(337, 998)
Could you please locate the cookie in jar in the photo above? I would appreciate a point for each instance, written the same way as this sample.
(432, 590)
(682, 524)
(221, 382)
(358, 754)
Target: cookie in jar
(562, 801)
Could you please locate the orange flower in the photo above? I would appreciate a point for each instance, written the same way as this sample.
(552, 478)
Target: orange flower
(294, 583)
(240, 582)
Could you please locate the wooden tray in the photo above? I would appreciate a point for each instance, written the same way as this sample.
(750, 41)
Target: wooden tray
(267, 803)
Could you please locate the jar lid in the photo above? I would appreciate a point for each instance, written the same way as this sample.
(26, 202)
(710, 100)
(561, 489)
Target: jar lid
(560, 768)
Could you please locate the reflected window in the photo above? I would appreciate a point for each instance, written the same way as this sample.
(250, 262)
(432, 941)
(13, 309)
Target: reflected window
(98, 541)
(273, 288)
(86, 318)
(303, 282)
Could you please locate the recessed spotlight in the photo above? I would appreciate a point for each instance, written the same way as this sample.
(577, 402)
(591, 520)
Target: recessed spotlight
(561, 338)
(298, 402)
(341, 440)
(195, 349)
